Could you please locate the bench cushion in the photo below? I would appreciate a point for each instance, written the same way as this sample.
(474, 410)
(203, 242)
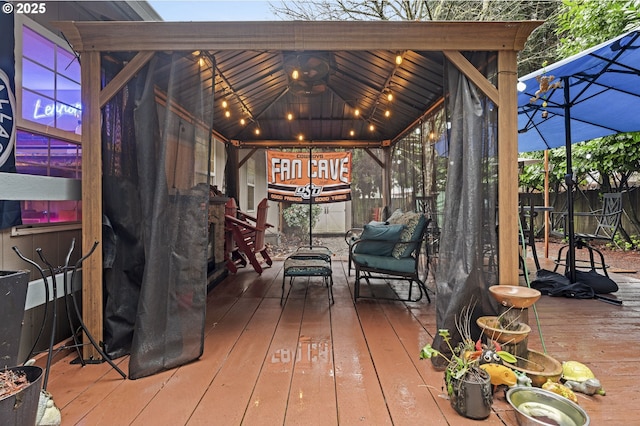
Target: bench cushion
(385, 236)
(387, 263)
(414, 223)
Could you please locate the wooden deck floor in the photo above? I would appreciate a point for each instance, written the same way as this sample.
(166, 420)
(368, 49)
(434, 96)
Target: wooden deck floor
(308, 364)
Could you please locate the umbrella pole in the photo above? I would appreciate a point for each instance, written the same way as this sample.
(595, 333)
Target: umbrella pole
(310, 200)
(571, 255)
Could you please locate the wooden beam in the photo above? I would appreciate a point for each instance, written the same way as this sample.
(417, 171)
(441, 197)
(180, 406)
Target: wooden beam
(472, 73)
(297, 35)
(91, 200)
(244, 160)
(124, 76)
(376, 159)
(508, 169)
(346, 143)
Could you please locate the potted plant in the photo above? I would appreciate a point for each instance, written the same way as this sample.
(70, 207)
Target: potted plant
(468, 385)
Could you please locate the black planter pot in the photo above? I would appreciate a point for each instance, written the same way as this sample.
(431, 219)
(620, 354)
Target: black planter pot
(13, 291)
(21, 409)
(470, 397)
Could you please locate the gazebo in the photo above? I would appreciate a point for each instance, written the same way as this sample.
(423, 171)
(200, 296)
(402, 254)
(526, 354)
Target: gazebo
(262, 53)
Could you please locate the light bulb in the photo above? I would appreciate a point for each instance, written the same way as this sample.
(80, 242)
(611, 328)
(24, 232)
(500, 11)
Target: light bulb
(243, 121)
(389, 96)
(295, 74)
(356, 112)
(352, 133)
(398, 59)
(227, 114)
(257, 131)
(289, 116)
(387, 113)
(224, 103)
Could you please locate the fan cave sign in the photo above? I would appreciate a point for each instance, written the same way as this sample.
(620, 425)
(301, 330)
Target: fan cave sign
(299, 177)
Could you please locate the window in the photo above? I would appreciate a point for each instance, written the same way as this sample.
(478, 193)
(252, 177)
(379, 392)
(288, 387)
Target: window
(50, 83)
(44, 156)
(251, 184)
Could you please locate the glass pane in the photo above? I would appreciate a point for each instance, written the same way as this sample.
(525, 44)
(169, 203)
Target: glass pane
(38, 48)
(63, 211)
(35, 211)
(64, 159)
(32, 154)
(38, 108)
(68, 65)
(68, 117)
(37, 78)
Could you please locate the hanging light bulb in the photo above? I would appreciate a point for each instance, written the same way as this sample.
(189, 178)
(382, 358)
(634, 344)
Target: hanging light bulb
(372, 127)
(356, 112)
(389, 96)
(227, 114)
(352, 133)
(257, 131)
(300, 137)
(398, 59)
(243, 121)
(295, 74)
(289, 116)
(387, 113)
(224, 103)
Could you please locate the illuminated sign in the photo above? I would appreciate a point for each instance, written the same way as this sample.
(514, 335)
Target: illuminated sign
(7, 123)
(50, 109)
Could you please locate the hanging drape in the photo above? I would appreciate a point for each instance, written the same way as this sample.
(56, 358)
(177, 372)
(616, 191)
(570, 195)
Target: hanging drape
(156, 211)
(468, 244)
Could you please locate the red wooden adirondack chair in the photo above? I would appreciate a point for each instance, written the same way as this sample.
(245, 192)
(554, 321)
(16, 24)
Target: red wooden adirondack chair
(245, 236)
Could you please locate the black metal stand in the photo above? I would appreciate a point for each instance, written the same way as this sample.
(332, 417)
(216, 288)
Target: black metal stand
(66, 291)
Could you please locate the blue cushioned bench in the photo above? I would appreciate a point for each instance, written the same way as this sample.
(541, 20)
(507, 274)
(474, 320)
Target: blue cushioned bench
(392, 250)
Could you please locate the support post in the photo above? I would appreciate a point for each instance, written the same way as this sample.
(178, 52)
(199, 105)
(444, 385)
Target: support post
(507, 168)
(91, 200)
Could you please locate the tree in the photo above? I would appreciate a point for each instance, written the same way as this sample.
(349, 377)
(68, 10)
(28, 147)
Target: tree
(540, 46)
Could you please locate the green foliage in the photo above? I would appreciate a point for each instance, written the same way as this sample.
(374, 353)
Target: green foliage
(297, 217)
(586, 23)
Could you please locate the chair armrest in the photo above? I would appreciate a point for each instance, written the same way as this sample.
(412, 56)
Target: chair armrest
(351, 234)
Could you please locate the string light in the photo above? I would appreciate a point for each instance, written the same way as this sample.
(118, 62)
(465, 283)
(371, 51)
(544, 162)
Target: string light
(398, 59)
(289, 116)
(300, 137)
(224, 103)
(356, 112)
(372, 127)
(243, 121)
(227, 114)
(387, 113)
(257, 131)
(295, 74)
(389, 96)
(352, 133)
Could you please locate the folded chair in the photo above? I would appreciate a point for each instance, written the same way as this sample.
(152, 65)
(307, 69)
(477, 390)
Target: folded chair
(247, 236)
(608, 222)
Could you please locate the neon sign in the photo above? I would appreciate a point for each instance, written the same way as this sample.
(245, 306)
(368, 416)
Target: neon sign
(49, 110)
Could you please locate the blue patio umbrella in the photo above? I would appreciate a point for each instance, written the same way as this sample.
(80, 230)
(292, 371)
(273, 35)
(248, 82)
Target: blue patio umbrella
(592, 94)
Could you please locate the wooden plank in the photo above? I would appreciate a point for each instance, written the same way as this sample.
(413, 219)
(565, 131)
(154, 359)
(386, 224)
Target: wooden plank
(408, 398)
(91, 201)
(176, 402)
(229, 392)
(268, 402)
(312, 394)
(124, 76)
(507, 169)
(360, 398)
(473, 74)
(297, 35)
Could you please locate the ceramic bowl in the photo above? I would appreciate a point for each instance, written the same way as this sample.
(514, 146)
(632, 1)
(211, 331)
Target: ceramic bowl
(491, 329)
(515, 296)
(539, 367)
(535, 407)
